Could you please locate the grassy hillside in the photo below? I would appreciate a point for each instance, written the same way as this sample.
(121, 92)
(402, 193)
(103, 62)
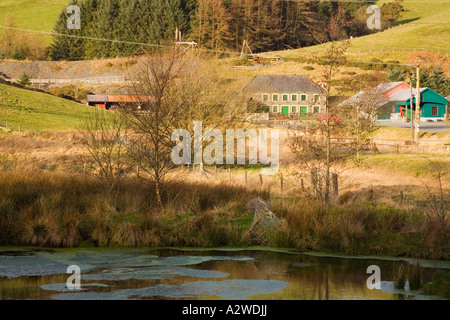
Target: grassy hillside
(38, 111)
(32, 14)
(424, 27)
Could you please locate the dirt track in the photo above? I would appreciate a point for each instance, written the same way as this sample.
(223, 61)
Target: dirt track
(12, 69)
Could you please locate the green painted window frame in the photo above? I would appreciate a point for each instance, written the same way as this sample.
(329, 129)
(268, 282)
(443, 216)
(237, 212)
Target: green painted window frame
(294, 97)
(275, 97)
(274, 109)
(285, 96)
(294, 109)
(316, 109)
(303, 97)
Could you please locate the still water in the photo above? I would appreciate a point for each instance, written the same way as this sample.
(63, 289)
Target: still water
(250, 273)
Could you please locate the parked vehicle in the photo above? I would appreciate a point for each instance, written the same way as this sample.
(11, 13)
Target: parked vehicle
(323, 117)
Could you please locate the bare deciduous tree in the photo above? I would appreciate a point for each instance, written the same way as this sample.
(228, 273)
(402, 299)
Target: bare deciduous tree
(105, 136)
(162, 99)
(175, 90)
(334, 56)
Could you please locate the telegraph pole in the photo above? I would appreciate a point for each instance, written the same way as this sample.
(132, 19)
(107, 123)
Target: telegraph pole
(417, 103)
(411, 114)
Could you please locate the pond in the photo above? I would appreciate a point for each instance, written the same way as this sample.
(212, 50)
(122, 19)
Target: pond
(248, 273)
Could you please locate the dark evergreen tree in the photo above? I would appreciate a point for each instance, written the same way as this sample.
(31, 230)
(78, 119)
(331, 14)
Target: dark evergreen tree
(66, 45)
(396, 74)
(104, 28)
(165, 17)
(126, 27)
(88, 11)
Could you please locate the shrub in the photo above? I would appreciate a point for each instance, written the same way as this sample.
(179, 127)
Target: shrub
(440, 286)
(24, 80)
(18, 53)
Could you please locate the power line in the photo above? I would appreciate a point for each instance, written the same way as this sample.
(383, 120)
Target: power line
(170, 46)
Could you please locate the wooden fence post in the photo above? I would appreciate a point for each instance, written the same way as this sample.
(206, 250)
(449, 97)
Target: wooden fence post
(245, 176)
(314, 180)
(335, 184)
(261, 179)
(281, 181)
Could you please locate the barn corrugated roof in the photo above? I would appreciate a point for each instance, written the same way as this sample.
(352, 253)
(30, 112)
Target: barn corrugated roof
(283, 83)
(385, 86)
(403, 95)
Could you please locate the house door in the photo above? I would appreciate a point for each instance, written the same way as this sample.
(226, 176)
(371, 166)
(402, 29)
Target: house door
(285, 110)
(303, 111)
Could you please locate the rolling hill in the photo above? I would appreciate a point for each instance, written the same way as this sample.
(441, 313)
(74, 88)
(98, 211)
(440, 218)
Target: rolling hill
(424, 27)
(32, 14)
(38, 111)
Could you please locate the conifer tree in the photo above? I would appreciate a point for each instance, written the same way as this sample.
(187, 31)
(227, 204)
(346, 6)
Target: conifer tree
(67, 47)
(165, 17)
(126, 27)
(211, 25)
(104, 28)
(88, 27)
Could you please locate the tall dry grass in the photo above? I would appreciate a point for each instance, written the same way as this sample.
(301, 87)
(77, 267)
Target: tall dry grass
(359, 228)
(68, 210)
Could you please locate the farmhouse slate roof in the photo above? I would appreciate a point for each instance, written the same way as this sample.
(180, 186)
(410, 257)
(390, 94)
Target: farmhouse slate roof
(283, 84)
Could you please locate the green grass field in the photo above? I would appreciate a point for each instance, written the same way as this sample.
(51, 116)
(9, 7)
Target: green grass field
(32, 14)
(38, 111)
(424, 27)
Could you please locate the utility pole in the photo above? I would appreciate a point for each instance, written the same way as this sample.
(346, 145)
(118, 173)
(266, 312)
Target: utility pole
(357, 133)
(417, 103)
(411, 114)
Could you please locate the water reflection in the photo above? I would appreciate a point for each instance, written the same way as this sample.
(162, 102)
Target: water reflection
(180, 274)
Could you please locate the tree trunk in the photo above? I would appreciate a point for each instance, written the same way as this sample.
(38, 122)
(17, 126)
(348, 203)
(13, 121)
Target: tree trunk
(158, 192)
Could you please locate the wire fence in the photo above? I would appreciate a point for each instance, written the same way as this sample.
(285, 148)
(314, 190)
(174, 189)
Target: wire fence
(384, 145)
